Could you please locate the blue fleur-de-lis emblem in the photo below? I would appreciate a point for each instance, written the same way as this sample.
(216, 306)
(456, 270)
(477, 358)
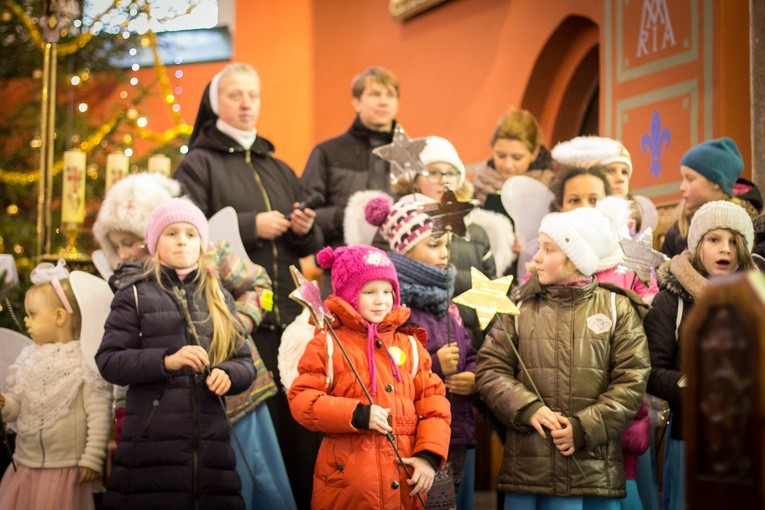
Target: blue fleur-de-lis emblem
(654, 140)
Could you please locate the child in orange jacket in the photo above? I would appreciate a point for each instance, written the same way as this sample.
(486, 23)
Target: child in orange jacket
(357, 466)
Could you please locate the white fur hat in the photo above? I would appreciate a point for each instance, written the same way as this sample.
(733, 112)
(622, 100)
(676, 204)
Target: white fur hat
(583, 234)
(441, 150)
(720, 214)
(127, 206)
(590, 151)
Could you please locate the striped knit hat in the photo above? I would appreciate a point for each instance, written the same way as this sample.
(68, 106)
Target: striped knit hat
(402, 224)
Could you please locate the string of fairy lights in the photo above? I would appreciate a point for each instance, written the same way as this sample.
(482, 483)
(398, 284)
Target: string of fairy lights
(129, 112)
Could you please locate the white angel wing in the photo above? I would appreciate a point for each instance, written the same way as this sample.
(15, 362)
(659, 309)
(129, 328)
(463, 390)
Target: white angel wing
(527, 201)
(11, 344)
(224, 226)
(94, 296)
(295, 338)
(102, 264)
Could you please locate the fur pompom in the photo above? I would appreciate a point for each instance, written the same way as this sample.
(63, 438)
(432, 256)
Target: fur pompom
(618, 212)
(377, 210)
(326, 257)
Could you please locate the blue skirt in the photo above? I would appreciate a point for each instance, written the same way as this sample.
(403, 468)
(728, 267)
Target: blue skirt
(515, 501)
(257, 437)
(632, 501)
(674, 473)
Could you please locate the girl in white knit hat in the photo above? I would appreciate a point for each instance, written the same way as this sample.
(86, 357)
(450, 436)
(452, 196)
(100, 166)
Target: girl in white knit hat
(576, 377)
(720, 239)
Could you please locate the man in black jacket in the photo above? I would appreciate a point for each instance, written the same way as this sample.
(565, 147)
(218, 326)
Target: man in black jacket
(343, 165)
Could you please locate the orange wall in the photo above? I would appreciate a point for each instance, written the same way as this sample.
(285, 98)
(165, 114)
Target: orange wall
(461, 64)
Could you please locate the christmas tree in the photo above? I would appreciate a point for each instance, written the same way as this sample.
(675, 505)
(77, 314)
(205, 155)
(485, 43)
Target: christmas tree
(90, 55)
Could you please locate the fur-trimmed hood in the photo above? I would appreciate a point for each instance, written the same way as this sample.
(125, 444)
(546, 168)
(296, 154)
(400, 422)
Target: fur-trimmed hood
(679, 277)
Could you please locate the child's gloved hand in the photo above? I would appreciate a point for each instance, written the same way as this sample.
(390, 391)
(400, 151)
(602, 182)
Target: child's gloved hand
(378, 419)
(448, 356)
(88, 475)
(422, 477)
(218, 381)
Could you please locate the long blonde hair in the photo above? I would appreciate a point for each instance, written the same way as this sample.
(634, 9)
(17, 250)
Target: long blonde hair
(228, 334)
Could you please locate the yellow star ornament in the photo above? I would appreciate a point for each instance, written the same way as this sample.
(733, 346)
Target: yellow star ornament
(487, 297)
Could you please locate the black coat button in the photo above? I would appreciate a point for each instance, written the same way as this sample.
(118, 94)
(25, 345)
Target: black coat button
(340, 467)
(378, 343)
(394, 484)
(388, 388)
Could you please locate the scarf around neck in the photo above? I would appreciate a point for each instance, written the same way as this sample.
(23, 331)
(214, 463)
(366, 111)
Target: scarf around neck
(424, 287)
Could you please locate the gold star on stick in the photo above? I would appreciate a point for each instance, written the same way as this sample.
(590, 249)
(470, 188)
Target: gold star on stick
(488, 297)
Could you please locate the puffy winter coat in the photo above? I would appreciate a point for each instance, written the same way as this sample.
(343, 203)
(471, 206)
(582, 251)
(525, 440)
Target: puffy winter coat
(339, 167)
(586, 352)
(217, 172)
(175, 450)
(680, 282)
(358, 468)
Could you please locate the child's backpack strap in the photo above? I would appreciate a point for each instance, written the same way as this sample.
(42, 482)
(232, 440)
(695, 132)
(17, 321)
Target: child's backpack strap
(515, 317)
(137, 309)
(330, 363)
(679, 318)
(331, 350)
(415, 355)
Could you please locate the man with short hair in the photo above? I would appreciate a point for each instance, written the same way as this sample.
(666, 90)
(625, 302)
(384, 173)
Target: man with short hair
(341, 166)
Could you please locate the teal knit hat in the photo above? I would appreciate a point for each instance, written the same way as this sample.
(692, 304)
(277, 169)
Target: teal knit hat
(719, 160)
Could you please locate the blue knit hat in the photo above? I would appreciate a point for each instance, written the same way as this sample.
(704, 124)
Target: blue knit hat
(718, 160)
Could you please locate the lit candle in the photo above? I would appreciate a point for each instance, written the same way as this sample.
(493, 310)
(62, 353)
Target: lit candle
(116, 168)
(159, 163)
(73, 188)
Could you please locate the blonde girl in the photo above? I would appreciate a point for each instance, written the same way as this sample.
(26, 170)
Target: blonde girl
(172, 336)
(60, 407)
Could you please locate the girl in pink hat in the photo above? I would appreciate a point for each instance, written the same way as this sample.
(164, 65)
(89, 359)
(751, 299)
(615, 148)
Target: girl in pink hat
(357, 467)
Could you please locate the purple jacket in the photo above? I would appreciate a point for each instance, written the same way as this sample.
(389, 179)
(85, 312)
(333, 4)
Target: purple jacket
(463, 425)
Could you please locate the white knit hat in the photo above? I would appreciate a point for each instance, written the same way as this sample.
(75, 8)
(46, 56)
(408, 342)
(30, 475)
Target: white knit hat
(591, 151)
(441, 150)
(720, 214)
(127, 206)
(583, 234)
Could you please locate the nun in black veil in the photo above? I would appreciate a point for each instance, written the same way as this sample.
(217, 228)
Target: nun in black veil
(230, 164)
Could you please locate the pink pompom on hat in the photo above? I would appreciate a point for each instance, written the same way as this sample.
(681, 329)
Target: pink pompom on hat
(354, 266)
(403, 224)
(176, 210)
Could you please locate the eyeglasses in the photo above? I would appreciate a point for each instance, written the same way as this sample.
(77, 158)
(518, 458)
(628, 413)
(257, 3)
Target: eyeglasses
(435, 176)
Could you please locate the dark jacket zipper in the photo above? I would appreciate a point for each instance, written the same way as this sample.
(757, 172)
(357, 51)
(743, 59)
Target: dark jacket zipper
(274, 251)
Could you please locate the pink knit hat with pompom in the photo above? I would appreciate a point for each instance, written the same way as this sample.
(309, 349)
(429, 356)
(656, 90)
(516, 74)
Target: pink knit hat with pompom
(175, 210)
(403, 224)
(354, 266)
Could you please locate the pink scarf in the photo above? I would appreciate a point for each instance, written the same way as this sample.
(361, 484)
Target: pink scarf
(371, 336)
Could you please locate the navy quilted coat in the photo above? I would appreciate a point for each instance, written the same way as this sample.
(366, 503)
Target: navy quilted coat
(175, 450)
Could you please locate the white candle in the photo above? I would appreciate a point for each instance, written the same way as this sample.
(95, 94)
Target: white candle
(73, 188)
(159, 163)
(116, 168)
